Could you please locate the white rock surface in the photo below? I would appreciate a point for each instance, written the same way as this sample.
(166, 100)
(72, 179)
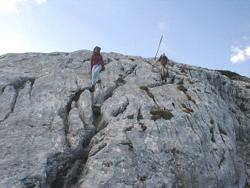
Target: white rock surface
(133, 131)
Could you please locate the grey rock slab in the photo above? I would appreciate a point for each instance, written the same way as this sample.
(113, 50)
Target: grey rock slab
(134, 131)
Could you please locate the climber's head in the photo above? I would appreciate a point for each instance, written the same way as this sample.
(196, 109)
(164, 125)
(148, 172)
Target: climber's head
(97, 49)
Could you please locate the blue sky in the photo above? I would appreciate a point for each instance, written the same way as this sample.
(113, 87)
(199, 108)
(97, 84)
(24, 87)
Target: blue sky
(209, 33)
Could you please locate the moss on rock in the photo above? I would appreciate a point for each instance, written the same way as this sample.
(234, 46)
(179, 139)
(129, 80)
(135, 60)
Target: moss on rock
(161, 113)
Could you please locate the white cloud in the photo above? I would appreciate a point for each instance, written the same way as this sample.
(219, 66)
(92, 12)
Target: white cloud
(240, 55)
(11, 6)
(41, 1)
(248, 51)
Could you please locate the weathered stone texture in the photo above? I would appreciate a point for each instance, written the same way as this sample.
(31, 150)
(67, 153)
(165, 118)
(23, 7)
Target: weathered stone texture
(133, 131)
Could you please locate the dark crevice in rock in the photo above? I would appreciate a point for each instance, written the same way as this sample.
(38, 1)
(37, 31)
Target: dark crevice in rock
(221, 130)
(20, 82)
(75, 97)
(212, 134)
(128, 128)
(64, 112)
(145, 88)
(98, 149)
(180, 82)
(242, 107)
(130, 116)
(63, 169)
(128, 142)
(34, 181)
(98, 120)
(139, 115)
(13, 104)
(99, 124)
(119, 82)
(31, 86)
(131, 59)
(156, 84)
(212, 121)
(143, 126)
(76, 162)
(121, 109)
(222, 159)
(73, 173)
(130, 71)
(2, 90)
(109, 94)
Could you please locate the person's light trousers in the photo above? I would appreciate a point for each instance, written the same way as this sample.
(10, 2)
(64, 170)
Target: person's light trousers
(96, 73)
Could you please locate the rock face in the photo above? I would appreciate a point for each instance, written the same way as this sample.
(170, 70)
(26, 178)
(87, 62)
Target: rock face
(133, 131)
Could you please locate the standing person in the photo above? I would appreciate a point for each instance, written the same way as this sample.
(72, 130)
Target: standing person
(163, 60)
(97, 65)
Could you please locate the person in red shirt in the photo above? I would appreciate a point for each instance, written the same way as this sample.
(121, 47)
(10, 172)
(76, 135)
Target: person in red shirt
(97, 65)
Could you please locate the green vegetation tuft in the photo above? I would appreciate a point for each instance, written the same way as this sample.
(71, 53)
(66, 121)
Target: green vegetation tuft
(186, 109)
(230, 74)
(242, 107)
(145, 88)
(190, 98)
(234, 76)
(182, 88)
(161, 113)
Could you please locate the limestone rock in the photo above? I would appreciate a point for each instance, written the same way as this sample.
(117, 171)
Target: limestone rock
(135, 130)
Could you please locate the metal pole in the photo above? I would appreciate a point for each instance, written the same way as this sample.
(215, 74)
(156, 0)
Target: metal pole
(159, 46)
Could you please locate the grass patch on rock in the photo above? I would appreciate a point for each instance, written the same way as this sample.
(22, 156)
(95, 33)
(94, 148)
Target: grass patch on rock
(161, 113)
(186, 109)
(145, 88)
(242, 107)
(190, 98)
(234, 76)
(230, 74)
(182, 88)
